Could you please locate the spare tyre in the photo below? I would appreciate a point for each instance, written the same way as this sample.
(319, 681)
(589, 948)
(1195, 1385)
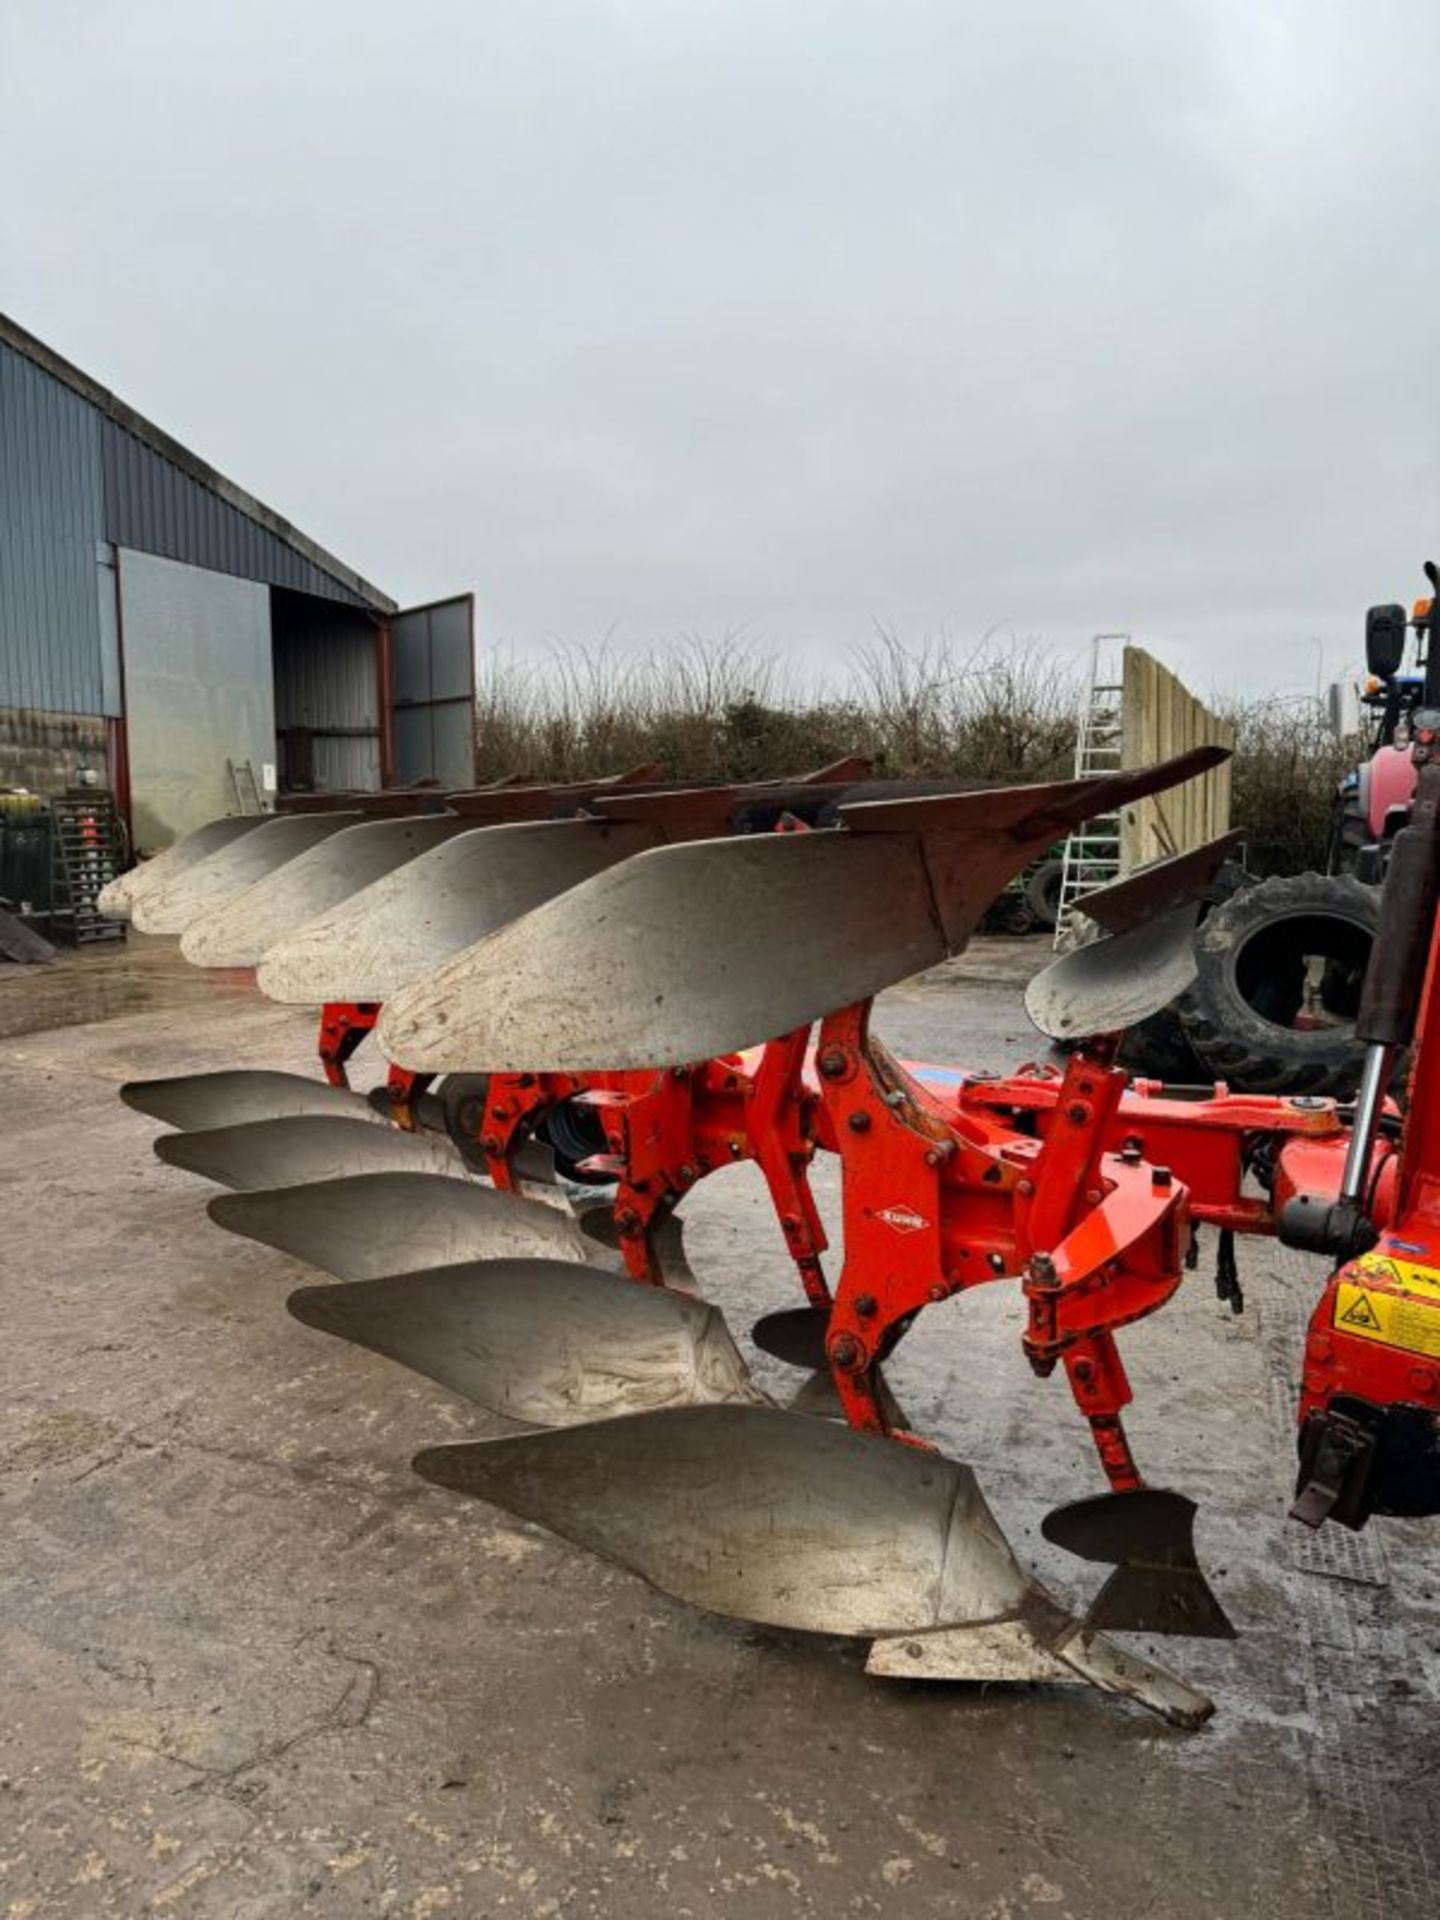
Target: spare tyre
(1042, 890)
(1280, 967)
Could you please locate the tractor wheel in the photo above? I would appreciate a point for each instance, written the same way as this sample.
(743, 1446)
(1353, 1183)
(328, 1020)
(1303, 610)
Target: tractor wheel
(1281, 965)
(1042, 892)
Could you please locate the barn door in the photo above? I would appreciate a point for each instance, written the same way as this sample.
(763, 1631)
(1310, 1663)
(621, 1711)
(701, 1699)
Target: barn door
(432, 692)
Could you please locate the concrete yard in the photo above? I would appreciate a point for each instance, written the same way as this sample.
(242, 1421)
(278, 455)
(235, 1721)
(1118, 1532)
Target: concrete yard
(251, 1666)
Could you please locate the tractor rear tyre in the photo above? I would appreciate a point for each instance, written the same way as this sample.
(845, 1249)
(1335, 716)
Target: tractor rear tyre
(1281, 965)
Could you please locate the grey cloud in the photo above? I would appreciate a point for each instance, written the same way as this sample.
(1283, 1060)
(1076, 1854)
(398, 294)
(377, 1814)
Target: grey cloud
(684, 315)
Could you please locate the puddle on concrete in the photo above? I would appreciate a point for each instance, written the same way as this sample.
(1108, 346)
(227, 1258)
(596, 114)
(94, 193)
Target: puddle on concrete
(104, 982)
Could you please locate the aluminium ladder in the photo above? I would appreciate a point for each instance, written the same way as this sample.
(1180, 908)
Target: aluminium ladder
(1092, 852)
(242, 776)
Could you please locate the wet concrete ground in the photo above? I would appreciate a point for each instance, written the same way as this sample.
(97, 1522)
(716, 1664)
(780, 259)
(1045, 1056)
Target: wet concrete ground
(250, 1666)
(105, 982)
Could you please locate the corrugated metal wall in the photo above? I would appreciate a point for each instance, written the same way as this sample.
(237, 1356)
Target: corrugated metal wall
(326, 680)
(51, 527)
(434, 653)
(349, 763)
(154, 507)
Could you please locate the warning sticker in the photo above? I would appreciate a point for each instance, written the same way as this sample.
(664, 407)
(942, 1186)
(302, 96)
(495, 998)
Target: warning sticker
(1360, 1313)
(1374, 1315)
(1409, 1274)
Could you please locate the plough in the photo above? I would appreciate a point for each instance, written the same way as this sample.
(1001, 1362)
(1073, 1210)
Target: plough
(663, 983)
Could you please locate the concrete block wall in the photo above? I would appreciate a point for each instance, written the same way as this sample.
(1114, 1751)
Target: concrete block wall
(45, 751)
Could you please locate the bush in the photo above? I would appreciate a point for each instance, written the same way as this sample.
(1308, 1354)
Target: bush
(997, 711)
(724, 711)
(1286, 768)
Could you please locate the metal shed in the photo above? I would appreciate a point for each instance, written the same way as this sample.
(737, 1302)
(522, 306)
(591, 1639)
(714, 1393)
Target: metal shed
(160, 626)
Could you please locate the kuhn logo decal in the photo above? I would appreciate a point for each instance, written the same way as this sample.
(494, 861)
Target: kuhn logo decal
(902, 1219)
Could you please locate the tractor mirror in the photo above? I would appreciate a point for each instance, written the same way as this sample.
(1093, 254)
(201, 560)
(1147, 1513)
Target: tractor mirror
(1385, 641)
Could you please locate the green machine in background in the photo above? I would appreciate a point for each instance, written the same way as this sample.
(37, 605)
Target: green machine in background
(26, 836)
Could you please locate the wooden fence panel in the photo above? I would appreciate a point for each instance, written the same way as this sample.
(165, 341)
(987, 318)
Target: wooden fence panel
(1161, 717)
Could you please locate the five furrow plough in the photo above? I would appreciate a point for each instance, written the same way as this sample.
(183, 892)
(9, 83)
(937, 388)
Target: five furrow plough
(608, 992)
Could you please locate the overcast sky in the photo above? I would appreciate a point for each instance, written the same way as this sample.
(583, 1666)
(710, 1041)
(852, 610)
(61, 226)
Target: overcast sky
(683, 315)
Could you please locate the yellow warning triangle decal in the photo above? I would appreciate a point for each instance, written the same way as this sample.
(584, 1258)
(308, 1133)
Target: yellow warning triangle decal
(1360, 1313)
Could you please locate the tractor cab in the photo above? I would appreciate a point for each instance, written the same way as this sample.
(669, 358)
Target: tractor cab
(1372, 801)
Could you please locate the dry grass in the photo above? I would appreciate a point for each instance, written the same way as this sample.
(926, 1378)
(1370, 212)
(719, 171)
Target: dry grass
(997, 710)
(726, 711)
